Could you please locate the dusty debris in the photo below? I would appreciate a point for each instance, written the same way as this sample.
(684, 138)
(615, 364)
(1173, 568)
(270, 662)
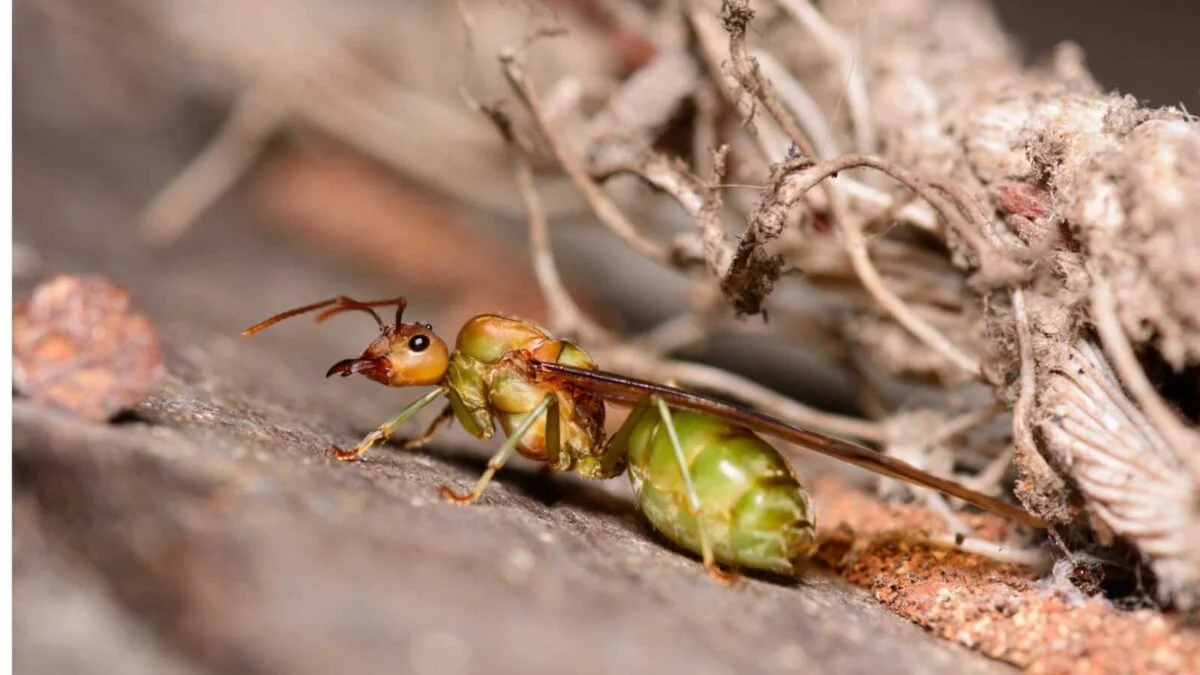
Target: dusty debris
(1005, 611)
(79, 346)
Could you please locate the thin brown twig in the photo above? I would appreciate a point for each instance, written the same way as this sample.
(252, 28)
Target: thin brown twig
(638, 364)
(698, 199)
(736, 16)
(708, 33)
(256, 117)
(1025, 450)
(566, 318)
(752, 273)
(717, 252)
(829, 39)
(604, 207)
(667, 174)
(713, 50)
(801, 103)
(790, 188)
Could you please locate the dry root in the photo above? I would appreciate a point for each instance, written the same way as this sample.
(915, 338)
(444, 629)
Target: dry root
(1026, 211)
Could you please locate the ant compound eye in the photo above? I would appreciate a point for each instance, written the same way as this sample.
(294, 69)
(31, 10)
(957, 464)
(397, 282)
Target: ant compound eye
(418, 343)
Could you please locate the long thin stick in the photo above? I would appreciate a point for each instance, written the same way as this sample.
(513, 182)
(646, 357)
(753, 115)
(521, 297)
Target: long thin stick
(714, 379)
(619, 387)
(604, 207)
(856, 87)
(565, 316)
(256, 117)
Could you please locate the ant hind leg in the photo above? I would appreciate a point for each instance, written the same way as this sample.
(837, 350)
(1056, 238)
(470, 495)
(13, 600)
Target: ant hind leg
(706, 547)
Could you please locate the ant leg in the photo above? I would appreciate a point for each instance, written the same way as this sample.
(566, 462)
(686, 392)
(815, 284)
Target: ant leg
(389, 427)
(706, 549)
(553, 434)
(618, 444)
(501, 456)
(447, 415)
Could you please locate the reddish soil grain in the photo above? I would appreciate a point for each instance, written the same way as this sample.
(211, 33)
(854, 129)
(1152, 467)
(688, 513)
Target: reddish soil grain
(79, 347)
(1004, 611)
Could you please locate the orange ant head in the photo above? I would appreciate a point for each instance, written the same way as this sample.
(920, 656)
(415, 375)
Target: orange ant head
(404, 354)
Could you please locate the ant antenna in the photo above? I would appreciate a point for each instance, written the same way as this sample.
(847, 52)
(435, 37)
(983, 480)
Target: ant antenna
(348, 305)
(336, 306)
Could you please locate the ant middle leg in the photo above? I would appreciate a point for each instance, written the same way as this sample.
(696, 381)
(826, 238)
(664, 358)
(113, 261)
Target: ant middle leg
(444, 417)
(502, 455)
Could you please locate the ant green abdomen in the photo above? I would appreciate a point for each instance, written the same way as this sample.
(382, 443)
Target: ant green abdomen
(753, 510)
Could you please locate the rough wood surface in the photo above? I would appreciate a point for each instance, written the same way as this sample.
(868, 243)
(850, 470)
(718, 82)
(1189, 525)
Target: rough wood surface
(208, 532)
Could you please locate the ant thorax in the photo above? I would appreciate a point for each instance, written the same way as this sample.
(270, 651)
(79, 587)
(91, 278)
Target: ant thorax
(490, 380)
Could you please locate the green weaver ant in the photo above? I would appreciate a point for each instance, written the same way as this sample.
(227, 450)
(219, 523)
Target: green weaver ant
(701, 474)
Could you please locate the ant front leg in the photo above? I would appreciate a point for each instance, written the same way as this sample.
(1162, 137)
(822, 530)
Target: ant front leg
(385, 431)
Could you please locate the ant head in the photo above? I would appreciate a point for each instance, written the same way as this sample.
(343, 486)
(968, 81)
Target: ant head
(404, 354)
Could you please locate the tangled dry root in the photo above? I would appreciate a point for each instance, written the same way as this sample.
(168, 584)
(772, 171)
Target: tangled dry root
(1047, 195)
